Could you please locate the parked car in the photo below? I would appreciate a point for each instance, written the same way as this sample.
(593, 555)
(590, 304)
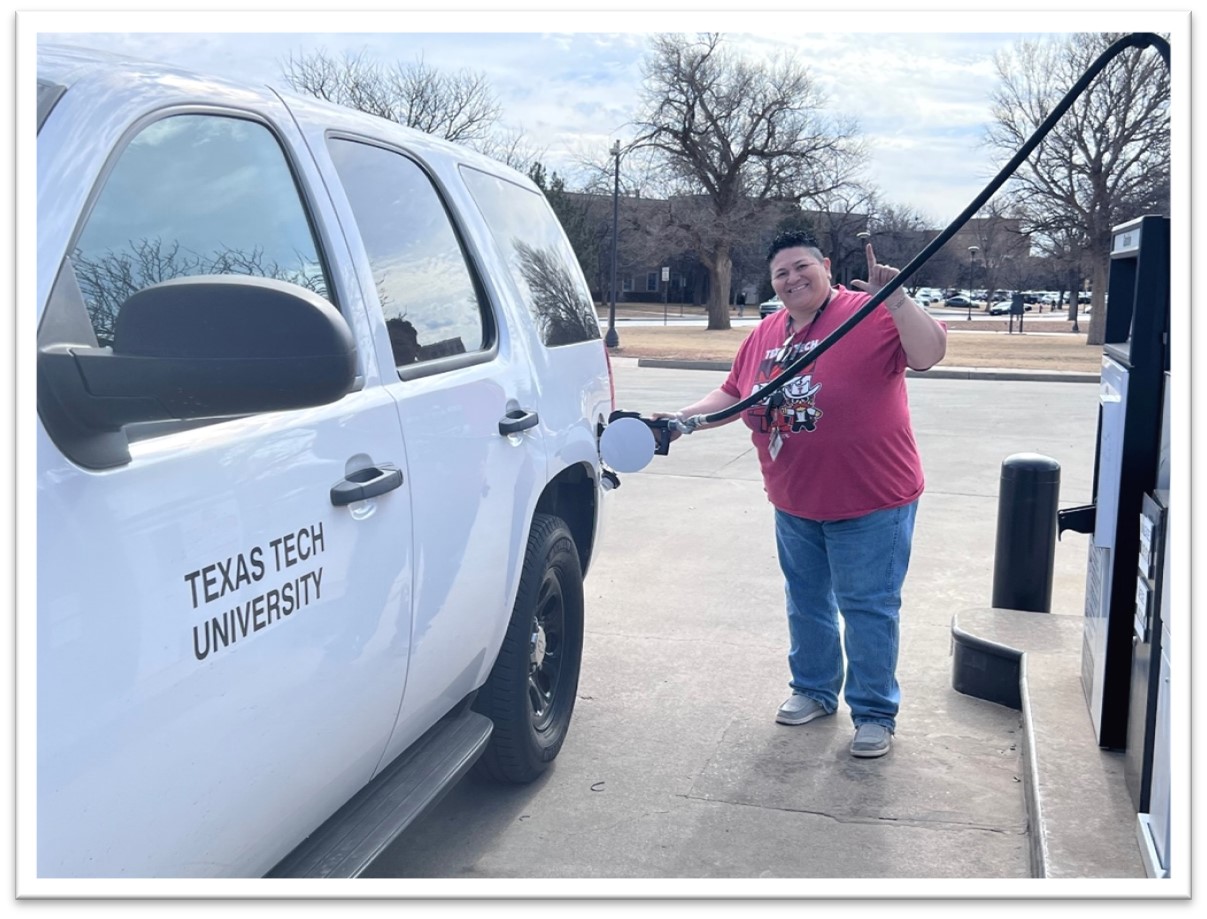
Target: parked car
(960, 302)
(1003, 306)
(767, 307)
(318, 475)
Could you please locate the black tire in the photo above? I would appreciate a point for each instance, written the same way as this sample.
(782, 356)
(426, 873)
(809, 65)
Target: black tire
(531, 689)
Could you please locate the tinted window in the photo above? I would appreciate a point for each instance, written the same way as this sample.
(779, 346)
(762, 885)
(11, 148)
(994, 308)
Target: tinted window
(423, 282)
(539, 256)
(193, 195)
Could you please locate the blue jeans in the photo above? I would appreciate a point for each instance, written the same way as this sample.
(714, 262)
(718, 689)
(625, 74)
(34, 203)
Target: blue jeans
(856, 566)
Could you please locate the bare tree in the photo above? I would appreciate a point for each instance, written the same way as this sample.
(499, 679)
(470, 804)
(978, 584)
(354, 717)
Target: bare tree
(460, 106)
(843, 211)
(730, 135)
(898, 233)
(511, 146)
(1105, 162)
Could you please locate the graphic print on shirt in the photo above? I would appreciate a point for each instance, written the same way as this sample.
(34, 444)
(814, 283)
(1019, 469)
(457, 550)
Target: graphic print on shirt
(793, 407)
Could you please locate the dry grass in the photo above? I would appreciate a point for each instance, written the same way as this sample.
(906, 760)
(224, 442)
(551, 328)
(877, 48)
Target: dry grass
(977, 343)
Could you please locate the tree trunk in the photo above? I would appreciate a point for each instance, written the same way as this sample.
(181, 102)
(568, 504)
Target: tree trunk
(1098, 278)
(720, 273)
(1074, 284)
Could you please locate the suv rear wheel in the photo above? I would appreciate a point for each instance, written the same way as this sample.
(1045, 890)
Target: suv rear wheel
(530, 692)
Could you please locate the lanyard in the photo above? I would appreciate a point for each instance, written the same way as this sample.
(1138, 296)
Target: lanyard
(775, 401)
(781, 356)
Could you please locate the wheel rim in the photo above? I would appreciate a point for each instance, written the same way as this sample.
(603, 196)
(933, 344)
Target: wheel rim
(546, 652)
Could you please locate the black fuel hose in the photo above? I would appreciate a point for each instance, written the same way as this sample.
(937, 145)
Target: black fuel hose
(1135, 40)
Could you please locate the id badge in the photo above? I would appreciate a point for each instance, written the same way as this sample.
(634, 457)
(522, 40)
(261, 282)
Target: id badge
(773, 447)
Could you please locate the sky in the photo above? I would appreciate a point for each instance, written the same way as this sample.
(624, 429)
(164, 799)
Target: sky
(921, 90)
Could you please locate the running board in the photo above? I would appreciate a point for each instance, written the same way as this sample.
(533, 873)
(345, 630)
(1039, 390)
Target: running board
(348, 842)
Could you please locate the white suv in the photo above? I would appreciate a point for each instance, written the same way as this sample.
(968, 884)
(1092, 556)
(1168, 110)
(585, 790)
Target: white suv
(320, 400)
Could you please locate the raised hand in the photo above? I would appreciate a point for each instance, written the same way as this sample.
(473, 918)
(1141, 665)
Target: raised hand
(878, 276)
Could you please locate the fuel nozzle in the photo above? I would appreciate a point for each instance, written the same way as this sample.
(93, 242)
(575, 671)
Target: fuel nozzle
(660, 427)
(628, 442)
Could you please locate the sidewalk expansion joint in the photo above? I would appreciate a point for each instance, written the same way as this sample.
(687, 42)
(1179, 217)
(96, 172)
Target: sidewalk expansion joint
(853, 820)
(723, 641)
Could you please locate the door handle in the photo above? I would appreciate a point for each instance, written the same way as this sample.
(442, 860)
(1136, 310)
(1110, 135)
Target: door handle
(517, 420)
(366, 483)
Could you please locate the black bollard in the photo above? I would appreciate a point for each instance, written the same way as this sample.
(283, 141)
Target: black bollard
(1025, 552)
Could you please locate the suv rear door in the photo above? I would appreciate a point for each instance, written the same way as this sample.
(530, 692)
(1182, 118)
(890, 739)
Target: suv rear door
(462, 379)
(221, 649)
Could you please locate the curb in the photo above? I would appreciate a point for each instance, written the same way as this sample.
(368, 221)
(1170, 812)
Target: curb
(938, 373)
(684, 365)
(997, 673)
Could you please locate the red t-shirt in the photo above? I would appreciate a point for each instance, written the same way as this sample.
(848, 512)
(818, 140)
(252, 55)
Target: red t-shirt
(846, 445)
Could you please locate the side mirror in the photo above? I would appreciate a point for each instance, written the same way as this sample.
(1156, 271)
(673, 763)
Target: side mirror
(197, 347)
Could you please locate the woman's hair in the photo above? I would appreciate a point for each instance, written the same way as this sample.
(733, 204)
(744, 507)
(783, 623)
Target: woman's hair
(791, 240)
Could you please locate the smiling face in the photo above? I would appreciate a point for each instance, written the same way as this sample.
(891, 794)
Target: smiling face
(801, 278)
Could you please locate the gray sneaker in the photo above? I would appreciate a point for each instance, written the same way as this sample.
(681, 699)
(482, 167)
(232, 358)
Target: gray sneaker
(799, 709)
(871, 740)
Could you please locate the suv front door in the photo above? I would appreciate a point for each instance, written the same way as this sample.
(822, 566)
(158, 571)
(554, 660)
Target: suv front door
(221, 649)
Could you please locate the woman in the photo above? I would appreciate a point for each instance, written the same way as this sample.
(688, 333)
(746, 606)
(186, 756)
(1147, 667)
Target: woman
(841, 467)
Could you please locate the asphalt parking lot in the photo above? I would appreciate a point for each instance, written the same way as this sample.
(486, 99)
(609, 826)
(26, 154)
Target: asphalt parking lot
(674, 768)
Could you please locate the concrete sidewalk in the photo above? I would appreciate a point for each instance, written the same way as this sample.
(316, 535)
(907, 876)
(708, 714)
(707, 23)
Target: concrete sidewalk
(675, 768)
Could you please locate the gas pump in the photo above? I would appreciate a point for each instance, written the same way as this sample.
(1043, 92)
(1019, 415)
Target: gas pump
(1135, 362)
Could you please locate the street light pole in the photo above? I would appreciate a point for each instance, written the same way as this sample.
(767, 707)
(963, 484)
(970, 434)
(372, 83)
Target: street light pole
(863, 236)
(972, 251)
(612, 339)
